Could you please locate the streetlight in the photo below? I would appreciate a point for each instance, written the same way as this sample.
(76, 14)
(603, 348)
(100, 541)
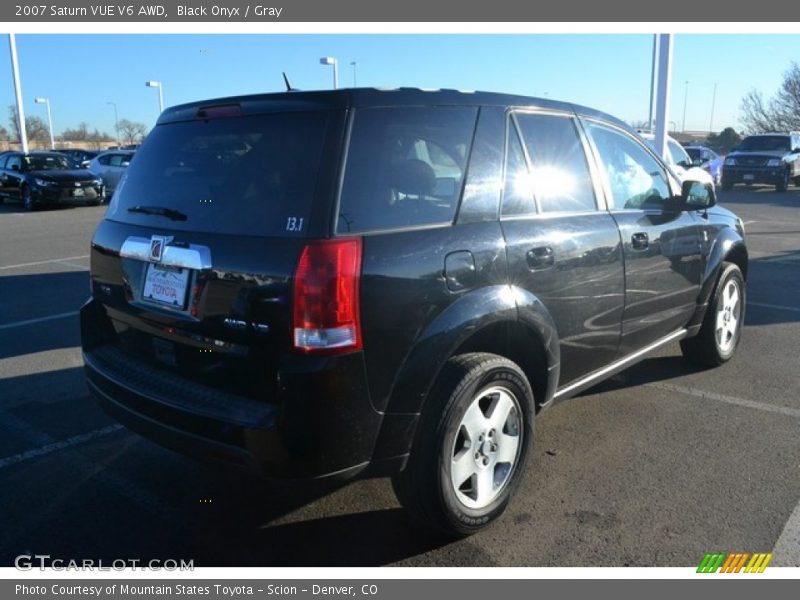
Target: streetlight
(685, 97)
(329, 60)
(116, 119)
(160, 86)
(353, 64)
(49, 120)
(713, 102)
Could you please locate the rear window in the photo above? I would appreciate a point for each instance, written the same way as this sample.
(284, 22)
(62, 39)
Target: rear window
(250, 175)
(405, 167)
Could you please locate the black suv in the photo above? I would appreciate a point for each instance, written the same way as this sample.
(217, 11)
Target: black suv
(772, 158)
(370, 283)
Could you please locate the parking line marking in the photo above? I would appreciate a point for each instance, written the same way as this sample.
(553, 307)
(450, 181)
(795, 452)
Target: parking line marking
(775, 306)
(39, 320)
(787, 548)
(43, 262)
(55, 446)
(781, 410)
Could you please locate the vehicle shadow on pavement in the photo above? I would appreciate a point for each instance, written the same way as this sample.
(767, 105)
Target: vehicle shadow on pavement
(370, 538)
(650, 370)
(119, 495)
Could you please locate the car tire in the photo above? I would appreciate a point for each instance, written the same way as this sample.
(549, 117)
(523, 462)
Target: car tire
(783, 184)
(27, 199)
(727, 185)
(721, 330)
(467, 459)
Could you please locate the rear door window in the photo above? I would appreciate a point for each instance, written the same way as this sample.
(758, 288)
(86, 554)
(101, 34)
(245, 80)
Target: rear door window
(405, 167)
(244, 175)
(559, 171)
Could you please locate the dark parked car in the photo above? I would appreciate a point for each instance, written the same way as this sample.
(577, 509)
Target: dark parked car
(40, 178)
(367, 283)
(772, 158)
(708, 160)
(80, 156)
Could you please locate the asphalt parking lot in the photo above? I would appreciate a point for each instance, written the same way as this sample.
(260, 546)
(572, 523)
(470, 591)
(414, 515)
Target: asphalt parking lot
(653, 468)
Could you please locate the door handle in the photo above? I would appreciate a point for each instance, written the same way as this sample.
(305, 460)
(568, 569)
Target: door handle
(540, 258)
(640, 241)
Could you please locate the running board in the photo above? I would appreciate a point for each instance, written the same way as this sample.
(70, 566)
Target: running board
(617, 366)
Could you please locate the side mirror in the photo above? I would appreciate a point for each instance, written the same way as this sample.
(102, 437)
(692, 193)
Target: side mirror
(14, 167)
(796, 151)
(683, 163)
(696, 195)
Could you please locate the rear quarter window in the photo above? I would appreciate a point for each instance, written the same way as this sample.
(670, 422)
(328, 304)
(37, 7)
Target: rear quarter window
(405, 167)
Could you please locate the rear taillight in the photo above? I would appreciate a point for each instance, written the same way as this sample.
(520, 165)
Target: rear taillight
(326, 311)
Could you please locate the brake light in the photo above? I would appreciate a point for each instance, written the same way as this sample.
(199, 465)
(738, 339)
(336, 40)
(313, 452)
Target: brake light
(326, 308)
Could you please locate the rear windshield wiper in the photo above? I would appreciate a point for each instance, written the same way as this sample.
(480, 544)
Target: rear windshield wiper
(161, 211)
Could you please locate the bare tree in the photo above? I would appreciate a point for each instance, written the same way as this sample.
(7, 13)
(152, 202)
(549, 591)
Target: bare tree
(79, 134)
(779, 113)
(132, 131)
(35, 128)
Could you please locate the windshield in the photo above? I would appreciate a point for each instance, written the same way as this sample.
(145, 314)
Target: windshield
(249, 175)
(768, 143)
(47, 162)
(695, 153)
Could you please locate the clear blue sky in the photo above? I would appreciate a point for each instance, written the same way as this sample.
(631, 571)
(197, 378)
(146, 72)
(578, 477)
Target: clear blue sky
(610, 72)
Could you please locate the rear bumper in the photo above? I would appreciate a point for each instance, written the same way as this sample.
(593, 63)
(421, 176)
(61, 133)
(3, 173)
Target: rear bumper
(320, 424)
(768, 175)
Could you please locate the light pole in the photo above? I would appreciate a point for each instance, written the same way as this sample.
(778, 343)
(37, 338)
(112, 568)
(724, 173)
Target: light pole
(116, 119)
(23, 135)
(653, 83)
(353, 64)
(329, 60)
(713, 102)
(160, 86)
(685, 98)
(46, 101)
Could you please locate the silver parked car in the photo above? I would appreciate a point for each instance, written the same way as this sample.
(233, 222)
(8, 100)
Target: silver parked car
(110, 166)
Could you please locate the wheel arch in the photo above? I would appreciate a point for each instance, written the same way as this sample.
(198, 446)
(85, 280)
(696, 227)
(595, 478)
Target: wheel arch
(502, 320)
(498, 319)
(729, 246)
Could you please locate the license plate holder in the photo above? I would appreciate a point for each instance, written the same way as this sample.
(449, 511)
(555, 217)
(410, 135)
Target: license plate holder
(748, 177)
(164, 351)
(166, 286)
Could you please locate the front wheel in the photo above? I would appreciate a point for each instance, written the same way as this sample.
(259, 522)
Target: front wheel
(27, 199)
(722, 325)
(471, 447)
(783, 184)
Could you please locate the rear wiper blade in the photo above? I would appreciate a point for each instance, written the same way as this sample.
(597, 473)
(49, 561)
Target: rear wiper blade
(161, 211)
